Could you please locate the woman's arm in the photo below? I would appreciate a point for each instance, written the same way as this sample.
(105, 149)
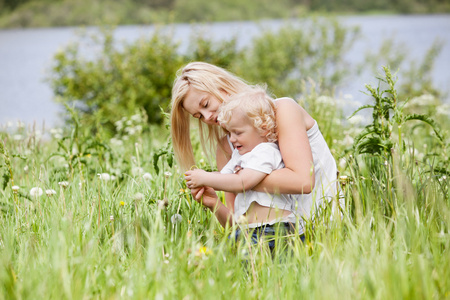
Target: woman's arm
(223, 155)
(298, 175)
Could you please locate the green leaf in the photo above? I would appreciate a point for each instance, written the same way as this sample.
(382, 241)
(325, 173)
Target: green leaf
(425, 119)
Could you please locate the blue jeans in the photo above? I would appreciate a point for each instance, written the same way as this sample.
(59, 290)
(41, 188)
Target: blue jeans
(267, 233)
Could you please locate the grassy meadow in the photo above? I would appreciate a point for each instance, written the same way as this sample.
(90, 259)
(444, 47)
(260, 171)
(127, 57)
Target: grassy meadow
(88, 216)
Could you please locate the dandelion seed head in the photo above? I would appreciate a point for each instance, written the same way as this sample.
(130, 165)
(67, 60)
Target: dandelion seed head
(147, 176)
(138, 196)
(50, 192)
(36, 192)
(111, 218)
(63, 184)
(167, 174)
(15, 188)
(104, 176)
(176, 218)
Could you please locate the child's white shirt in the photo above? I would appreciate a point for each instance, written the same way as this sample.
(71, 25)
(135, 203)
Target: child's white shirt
(264, 158)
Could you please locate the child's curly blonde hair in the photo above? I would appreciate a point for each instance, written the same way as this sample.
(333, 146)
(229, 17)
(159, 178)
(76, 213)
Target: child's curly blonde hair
(257, 106)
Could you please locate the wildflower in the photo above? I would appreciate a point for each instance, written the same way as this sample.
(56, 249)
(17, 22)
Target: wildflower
(104, 176)
(113, 177)
(50, 192)
(348, 140)
(122, 203)
(342, 163)
(162, 203)
(17, 137)
(36, 192)
(63, 184)
(26, 169)
(385, 162)
(138, 196)
(167, 174)
(176, 218)
(203, 251)
(111, 218)
(15, 188)
(147, 176)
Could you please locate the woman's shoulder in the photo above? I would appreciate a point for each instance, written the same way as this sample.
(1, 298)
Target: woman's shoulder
(289, 110)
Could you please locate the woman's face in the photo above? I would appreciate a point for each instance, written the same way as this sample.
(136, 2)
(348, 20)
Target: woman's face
(202, 105)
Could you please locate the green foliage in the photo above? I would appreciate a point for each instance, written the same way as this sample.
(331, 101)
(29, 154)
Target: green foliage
(122, 80)
(117, 83)
(377, 137)
(135, 233)
(312, 49)
(45, 13)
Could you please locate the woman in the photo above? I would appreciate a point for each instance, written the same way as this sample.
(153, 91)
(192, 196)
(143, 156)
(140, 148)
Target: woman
(310, 169)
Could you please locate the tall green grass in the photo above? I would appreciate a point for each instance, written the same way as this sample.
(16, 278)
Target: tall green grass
(124, 225)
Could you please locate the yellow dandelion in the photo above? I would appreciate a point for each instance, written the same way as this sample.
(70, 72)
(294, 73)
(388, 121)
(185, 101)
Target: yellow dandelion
(204, 251)
(122, 203)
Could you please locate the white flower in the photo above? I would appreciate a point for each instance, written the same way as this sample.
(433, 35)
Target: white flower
(356, 120)
(348, 140)
(136, 117)
(147, 176)
(17, 137)
(104, 176)
(50, 192)
(138, 196)
(137, 171)
(342, 163)
(36, 192)
(63, 184)
(26, 169)
(167, 174)
(176, 218)
(111, 218)
(15, 188)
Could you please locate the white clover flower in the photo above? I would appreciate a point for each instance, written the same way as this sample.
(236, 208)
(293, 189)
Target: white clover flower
(50, 192)
(63, 184)
(147, 176)
(15, 188)
(104, 176)
(176, 218)
(167, 174)
(36, 192)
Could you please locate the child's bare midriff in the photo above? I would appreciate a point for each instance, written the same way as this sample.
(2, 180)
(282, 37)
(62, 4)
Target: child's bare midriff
(257, 213)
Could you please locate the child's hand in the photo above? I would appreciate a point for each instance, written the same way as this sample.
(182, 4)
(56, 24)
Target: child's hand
(195, 178)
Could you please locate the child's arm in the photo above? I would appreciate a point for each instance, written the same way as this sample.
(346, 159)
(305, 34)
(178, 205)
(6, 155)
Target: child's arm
(244, 180)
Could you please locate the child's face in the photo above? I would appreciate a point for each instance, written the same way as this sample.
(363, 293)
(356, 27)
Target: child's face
(243, 135)
(202, 105)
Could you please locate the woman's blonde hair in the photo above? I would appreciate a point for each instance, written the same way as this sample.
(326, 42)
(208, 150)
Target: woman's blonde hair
(257, 106)
(206, 78)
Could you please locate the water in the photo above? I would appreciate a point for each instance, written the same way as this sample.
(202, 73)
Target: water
(26, 56)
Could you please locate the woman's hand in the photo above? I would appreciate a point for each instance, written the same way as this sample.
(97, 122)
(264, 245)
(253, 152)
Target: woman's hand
(206, 196)
(195, 178)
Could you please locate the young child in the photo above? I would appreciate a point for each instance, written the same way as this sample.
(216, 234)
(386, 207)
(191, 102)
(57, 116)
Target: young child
(249, 119)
